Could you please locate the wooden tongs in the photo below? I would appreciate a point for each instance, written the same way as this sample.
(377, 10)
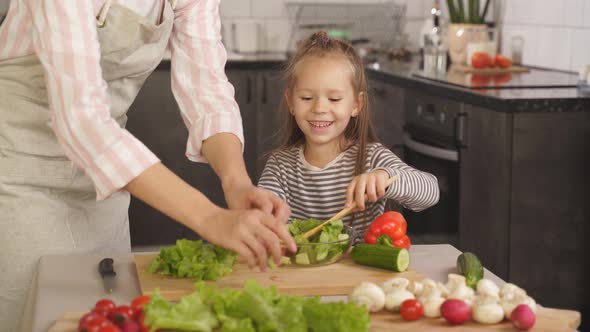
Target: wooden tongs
(343, 213)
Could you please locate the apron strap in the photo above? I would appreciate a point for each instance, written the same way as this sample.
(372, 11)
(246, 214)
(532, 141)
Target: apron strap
(102, 15)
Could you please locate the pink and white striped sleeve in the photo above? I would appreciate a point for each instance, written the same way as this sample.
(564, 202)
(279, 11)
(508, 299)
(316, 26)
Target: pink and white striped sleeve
(65, 40)
(200, 86)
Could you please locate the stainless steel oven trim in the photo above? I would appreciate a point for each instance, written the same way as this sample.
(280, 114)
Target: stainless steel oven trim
(429, 150)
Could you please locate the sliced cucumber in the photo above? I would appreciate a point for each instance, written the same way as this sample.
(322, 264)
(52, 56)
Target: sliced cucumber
(302, 259)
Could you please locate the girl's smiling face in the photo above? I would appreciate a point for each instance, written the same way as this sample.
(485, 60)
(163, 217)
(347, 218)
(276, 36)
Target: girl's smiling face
(323, 100)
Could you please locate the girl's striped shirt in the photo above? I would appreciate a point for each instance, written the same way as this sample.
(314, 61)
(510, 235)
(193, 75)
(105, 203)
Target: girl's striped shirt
(320, 193)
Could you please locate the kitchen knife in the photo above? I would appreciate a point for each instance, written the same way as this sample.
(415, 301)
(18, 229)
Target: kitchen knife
(107, 272)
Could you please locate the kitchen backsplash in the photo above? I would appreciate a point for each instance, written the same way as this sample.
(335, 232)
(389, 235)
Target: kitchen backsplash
(556, 34)
(275, 19)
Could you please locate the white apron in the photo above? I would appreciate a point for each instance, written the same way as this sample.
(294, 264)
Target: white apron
(47, 204)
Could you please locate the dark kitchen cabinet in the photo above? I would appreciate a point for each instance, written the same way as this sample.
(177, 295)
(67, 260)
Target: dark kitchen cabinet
(386, 105)
(258, 92)
(155, 119)
(524, 194)
(524, 200)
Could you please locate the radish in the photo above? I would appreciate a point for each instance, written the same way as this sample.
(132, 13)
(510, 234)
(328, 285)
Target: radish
(455, 311)
(522, 317)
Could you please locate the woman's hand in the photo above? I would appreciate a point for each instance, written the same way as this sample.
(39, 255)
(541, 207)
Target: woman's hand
(253, 234)
(244, 195)
(369, 186)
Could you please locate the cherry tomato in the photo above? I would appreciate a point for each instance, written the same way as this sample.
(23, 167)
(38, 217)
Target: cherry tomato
(109, 328)
(138, 302)
(404, 242)
(87, 318)
(121, 313)
(411, 309)
(104, 304)
(481, 60)
(502, 61)
(97, 325)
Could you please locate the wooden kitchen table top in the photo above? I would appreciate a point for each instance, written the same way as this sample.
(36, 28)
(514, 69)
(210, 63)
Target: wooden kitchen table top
(72, 283)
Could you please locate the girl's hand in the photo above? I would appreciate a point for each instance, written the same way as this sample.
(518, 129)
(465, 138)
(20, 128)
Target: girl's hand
(369, 186)
(253, 234)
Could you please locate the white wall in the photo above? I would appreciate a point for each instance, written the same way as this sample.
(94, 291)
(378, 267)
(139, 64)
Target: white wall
(556, 32)
(276, 21)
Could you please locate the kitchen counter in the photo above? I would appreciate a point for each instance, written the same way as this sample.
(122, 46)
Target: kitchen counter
(558, 99)
(72, 283)
(405, 74)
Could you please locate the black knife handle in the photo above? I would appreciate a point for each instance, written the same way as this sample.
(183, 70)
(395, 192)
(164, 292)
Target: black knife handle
(105, 267)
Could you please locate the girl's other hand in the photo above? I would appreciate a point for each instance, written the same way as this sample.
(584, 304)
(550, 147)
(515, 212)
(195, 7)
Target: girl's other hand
(369, 187)
(250, 233)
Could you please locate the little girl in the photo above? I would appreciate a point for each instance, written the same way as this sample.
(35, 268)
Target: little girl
(330, 157)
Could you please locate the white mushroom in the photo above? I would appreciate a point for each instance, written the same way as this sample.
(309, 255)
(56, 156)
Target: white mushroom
(368, 294)
(394, 284)
(454, 281)
(394, 299)
(432, 306)
(509, 289)
(508, 303)
(487, 310)
(417, 287)
(462, 292)
(486, 286)
(444, 291)
(430, 289)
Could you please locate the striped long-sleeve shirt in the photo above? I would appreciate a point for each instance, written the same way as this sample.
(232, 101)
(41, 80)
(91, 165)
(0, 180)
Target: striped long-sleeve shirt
(63, 34)
(320, 193)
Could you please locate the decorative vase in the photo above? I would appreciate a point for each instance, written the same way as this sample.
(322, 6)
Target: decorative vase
(460, 35)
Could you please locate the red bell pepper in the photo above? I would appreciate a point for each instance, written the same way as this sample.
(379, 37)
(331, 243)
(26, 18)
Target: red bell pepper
(389, 228)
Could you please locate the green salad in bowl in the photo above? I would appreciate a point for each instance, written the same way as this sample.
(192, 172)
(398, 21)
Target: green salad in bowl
(323, 248)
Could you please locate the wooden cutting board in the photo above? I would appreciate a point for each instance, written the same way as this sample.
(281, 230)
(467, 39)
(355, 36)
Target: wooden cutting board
(335, 279)
(488, 71)
(548, 320)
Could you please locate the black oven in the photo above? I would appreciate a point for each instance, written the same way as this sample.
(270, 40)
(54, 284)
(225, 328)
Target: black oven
(433, 137)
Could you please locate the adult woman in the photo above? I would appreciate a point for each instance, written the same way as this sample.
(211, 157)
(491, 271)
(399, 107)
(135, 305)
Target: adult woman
(68, 72)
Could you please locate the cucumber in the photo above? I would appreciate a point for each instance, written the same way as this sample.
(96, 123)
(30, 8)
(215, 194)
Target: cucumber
(302, 259)
(469, 266)
(385, 257)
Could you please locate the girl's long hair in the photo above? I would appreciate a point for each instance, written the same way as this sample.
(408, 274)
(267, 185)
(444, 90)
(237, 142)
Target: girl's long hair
(360, 129)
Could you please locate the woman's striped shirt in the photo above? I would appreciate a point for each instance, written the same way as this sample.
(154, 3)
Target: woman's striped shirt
(320, 193)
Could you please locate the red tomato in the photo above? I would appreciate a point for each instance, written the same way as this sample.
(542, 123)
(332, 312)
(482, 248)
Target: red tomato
(87, 318)
(96, 325)
(138, 302)
(411, 309)
(502, 61)
(481, 60)
(109, 328)
(121, 313)
(404, 242)
(104, 304)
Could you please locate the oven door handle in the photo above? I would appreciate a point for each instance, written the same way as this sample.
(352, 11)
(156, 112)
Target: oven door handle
(429, 150)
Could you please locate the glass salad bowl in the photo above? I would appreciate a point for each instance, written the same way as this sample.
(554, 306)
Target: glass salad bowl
(326, 247)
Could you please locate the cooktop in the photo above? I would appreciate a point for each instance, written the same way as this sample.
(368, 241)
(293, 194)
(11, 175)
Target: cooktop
(535, 78)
